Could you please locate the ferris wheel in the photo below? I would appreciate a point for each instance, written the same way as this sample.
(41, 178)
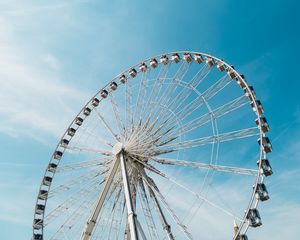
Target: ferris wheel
(166, 150)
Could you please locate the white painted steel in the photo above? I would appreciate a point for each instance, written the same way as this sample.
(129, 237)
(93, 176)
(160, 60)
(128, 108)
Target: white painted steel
(151, 123)
(100, 201)
(128, 199)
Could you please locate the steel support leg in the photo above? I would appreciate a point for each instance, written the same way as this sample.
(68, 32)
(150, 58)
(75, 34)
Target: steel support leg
(131, 214)
(100, 201)
(166, 226)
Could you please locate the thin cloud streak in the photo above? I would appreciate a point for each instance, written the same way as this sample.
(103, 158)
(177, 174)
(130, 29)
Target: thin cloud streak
(21, 10)
(32, 103)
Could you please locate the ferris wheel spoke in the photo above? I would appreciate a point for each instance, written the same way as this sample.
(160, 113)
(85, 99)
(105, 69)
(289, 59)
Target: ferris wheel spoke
(122, 210)
(147, 212)
(165, 224)
(115, 186)
(114, 218)
(72, 219)
(153, 135)
(166, 98)
(67, 186)
(128, 112)
(140, 230)
(200, 197)
(118, 119)
(222, 137)
(86, 177)
(217, 87)
(175, 102)
(141, 96)
(206, 118)
(115, 136)
(230, 106)
(67, 205)
(104, 222)
(207, 166)
(86, 149)
(83, 164)
(148, 147)
(154, 189)
(140, 132)
(143, 133)
(213, 167)
(149, 135)
(163, 103)
(98, 137)
(84, 192)
(147, 166)
(171, 108)
(203, 98)
(199, 77)
(197, 165)
(157, 88)
(155, 93)
(217, 113)
(73, 200)
(196, 103)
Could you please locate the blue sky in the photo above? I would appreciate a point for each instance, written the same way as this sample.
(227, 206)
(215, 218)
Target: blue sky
(54, 56)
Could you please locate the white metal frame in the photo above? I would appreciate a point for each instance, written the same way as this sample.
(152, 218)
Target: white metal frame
(120, 161)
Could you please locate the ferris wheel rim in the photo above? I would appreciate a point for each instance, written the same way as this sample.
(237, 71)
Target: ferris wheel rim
(262, 153)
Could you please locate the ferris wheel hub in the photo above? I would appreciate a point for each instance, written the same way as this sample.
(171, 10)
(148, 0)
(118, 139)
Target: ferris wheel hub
(117, 148)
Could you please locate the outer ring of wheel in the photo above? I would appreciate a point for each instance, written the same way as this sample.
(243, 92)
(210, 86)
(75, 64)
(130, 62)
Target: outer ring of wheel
(259, 178)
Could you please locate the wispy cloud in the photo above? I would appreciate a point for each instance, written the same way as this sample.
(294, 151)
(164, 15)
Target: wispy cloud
(32, 101)
(24, 9)
(36, 102)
